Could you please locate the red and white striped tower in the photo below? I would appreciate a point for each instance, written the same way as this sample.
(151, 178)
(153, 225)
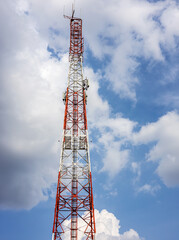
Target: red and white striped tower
(74, 198)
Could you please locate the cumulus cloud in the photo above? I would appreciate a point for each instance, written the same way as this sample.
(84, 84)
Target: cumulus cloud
(32, 82)
(114, 139)
(115, 159)
(107, 228)
(113, 132)
(97, 108)
(30, 112)
(164, 134)
(111, 34)
(124, 40)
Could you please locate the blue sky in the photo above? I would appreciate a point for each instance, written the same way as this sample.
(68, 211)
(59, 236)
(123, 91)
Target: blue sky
(131, 60)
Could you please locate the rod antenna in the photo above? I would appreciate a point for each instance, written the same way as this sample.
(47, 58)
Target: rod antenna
(73, 12)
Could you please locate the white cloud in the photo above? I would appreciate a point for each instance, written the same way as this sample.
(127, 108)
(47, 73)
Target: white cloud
(107, 228)
(113, 142)
(112, 33)
(31, 82)
(164, 133)
(97, 108)
(31, 85)
(147, 188)
(115, 159)
(113, 132)
(136, 168)
(169, 20)
(170, 99)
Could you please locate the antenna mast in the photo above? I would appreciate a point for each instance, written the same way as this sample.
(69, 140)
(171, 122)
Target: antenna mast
(74, 209)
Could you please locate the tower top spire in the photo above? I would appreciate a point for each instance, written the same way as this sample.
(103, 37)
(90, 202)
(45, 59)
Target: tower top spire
(72, 14)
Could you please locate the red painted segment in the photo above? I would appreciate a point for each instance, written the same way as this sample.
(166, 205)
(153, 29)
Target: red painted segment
(76, 39)
(66, 111)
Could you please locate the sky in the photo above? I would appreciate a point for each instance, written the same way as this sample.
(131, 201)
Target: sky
(131, 61)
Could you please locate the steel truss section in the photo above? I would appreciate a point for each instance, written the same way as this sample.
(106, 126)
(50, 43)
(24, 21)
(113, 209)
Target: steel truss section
(74, 198)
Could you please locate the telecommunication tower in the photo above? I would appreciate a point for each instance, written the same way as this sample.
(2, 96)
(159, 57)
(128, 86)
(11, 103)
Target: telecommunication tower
(74, 209)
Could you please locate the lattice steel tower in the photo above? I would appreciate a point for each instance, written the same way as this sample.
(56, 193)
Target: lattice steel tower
(74, 209)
